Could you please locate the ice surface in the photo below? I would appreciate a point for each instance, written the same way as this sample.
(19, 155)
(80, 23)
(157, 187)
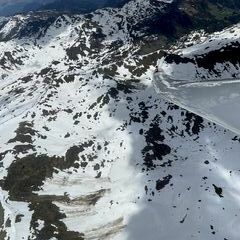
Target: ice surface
(204, 78)
(215, 100)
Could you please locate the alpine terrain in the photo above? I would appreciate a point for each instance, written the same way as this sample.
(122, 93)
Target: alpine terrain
(89, 148)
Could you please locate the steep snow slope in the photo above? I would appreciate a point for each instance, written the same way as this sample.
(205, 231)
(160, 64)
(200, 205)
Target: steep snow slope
(89, 150)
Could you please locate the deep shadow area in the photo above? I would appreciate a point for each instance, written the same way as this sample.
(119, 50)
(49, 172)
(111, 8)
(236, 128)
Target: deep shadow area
(180, 169)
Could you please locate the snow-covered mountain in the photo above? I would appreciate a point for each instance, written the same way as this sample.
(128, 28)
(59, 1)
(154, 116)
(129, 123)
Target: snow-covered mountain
(89, 149)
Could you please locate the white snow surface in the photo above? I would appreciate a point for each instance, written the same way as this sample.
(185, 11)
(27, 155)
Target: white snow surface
(157, 170)
(212, 93)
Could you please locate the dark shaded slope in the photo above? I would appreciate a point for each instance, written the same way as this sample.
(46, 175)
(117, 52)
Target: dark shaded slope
(84, 6)
(183, 16)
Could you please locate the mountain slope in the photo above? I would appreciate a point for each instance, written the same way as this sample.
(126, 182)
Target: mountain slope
(9, 8)
(89, 150)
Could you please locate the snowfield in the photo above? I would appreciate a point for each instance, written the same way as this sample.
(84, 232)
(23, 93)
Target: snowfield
(203, 80)
(89, 149)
